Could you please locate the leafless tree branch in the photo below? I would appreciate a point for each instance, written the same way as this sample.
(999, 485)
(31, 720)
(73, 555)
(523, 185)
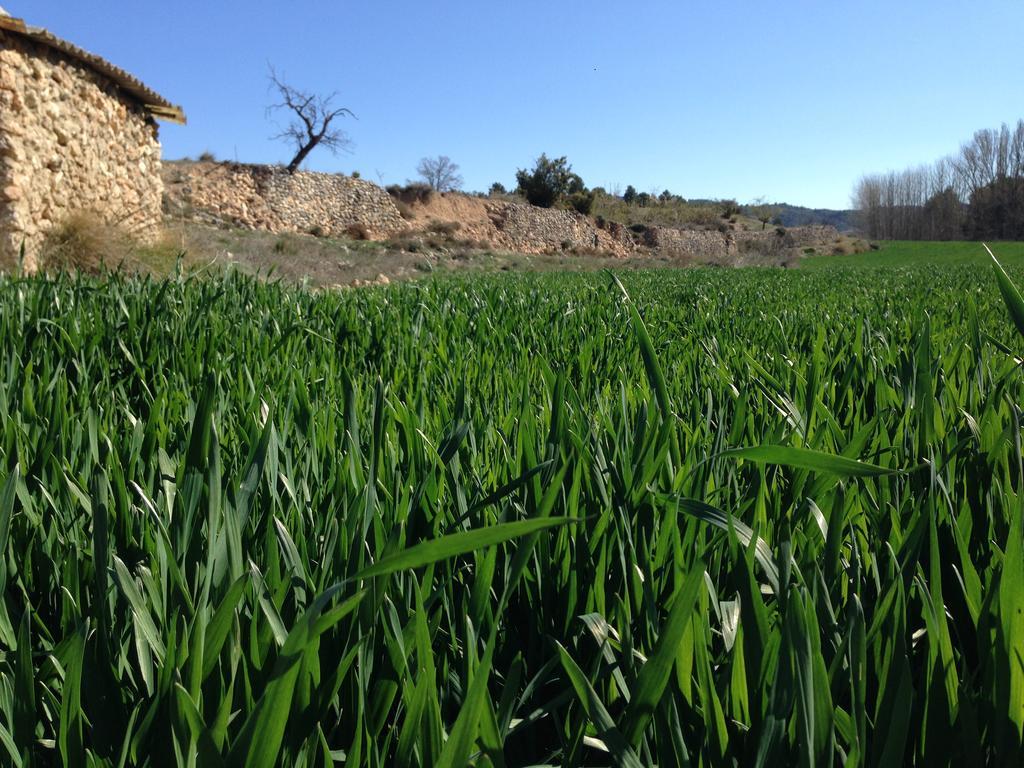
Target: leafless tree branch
(311, 120)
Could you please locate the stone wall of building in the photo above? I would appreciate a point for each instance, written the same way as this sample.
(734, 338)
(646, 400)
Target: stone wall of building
(267, 197)
(70, 143)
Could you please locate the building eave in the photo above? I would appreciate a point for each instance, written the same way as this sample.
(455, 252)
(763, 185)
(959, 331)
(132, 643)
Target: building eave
(150, 100)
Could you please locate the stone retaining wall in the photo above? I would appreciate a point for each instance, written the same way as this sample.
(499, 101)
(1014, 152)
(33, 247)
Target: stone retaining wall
(70, 143)
(528, 229)
(718, 246)
(269, 198)
(701, 245)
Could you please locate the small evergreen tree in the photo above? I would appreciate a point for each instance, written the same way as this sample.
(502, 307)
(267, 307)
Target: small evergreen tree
(583, 202)
(548, 181)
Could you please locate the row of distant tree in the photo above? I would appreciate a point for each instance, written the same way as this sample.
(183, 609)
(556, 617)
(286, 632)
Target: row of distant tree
(975, 194)
(552, 180)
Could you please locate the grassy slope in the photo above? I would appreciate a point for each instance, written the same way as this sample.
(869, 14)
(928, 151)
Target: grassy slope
(902, 253)
(669, 214)
(325, 261)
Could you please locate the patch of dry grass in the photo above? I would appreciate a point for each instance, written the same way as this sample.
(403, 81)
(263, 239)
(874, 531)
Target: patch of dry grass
(84, 242)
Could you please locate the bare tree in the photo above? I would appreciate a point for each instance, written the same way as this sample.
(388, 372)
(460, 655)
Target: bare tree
(763, 211)
(311, 124)
(440, 173)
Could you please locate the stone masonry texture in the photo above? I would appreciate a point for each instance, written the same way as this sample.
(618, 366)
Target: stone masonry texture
(267, 197)
(71, 143)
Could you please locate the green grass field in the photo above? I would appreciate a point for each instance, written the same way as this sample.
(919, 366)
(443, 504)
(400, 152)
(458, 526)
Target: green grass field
(904, 253)
(739, 517)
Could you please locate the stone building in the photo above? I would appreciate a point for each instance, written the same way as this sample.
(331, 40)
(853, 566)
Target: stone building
(77, 136)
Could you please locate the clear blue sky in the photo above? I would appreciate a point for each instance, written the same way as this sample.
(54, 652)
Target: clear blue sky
(790, 100)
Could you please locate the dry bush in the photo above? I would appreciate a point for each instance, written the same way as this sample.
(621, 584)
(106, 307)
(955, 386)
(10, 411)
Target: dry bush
(286, 245)
(411, 194)
(589, 252)
(86, 243)
(405, 241)
(404, 209)
(357, 231)
(701, 214)
(445, 228)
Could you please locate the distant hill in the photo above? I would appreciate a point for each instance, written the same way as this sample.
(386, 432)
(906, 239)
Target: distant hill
(798, 216)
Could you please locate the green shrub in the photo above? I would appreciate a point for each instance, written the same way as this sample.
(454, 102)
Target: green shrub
(730, 208)
(548, 181)
(582, 202)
